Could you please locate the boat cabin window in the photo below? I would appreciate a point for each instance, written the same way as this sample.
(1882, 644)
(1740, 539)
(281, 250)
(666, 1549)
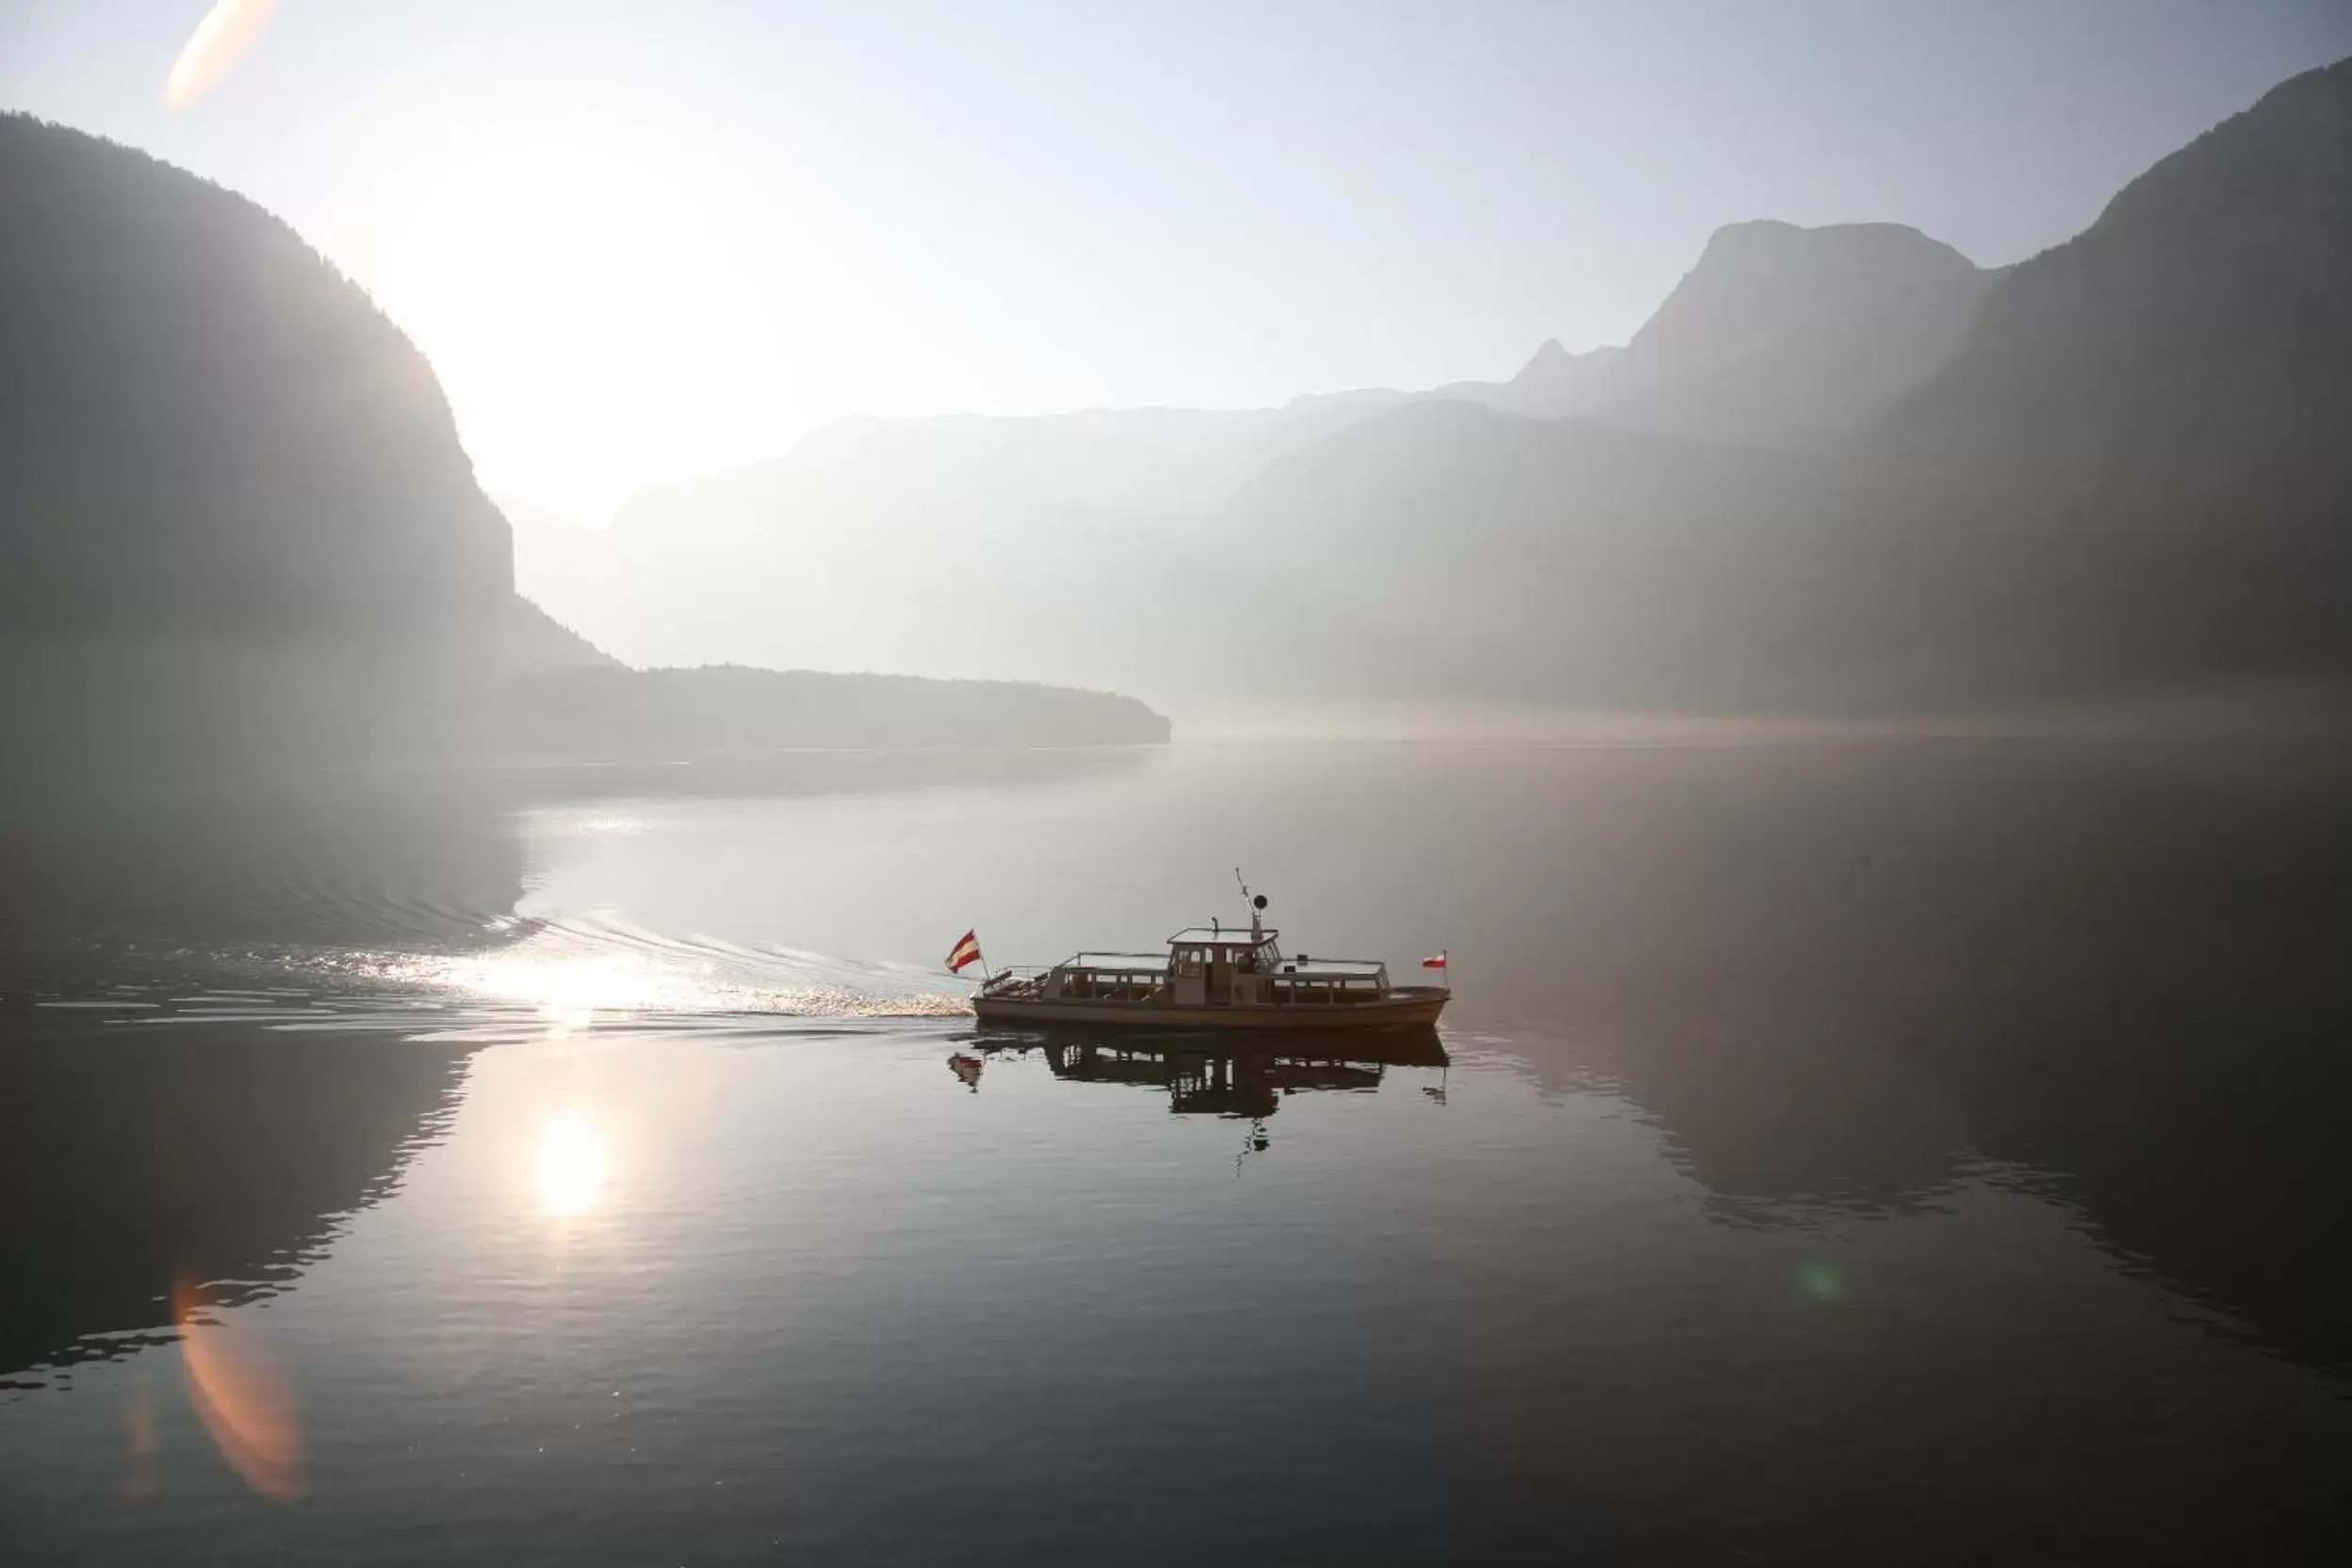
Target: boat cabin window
(1188, 963)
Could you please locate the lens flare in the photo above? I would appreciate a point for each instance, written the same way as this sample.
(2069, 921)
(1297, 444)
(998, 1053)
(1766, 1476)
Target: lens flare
(139, 1431)
(240, 1398)
(220, 41)
(571, 1165)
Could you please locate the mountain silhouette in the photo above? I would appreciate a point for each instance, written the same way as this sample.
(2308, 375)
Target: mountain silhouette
(296, 467)
(238, 519)
(2146, 428)
(1783, 336)
(1557, 381)
(1553, 382)
(533, 641)
(241, 529)
(2127, 476)
(634, 715)
(1840, 470)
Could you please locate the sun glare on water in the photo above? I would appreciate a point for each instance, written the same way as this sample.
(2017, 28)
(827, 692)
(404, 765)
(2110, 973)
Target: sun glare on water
(571, 1165)
(569, 989)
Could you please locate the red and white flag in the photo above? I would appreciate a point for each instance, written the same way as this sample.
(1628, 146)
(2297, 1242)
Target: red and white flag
(1438, 962)
(965, 952)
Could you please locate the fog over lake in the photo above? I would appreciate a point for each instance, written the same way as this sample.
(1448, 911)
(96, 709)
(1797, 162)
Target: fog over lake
(1277, 784)
(1831, 1133)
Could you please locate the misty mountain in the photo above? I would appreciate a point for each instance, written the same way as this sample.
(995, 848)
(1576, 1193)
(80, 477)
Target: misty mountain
(2137, 462)
(1538, 559)
(297, 468)
(2209, 306)
(1102, 546)
(1780, 335)
(2130, 475)
(1106, 547)
(641, 716)
(1556, 381)
(1552, 383)
(1785, 336)
(532, 642)
(238, 522)
(236, 513)
(1839, 469)
(958, 546)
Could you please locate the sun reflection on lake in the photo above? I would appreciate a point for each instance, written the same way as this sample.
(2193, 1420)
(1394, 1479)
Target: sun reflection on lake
(571, 1165)
(568, 980)
(569, 990)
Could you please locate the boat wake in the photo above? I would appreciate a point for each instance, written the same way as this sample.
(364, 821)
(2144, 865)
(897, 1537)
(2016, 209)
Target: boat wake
(573, 971)
(524, 977)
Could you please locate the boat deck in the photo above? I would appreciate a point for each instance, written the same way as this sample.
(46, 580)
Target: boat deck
(1210, 977)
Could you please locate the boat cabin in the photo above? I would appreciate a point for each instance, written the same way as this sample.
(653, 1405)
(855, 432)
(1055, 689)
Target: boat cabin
(1211, 967)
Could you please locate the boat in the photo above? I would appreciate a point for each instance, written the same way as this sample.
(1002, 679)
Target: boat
(1211, 978)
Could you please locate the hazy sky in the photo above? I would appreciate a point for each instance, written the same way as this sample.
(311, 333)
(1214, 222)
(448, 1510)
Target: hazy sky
(644, 240)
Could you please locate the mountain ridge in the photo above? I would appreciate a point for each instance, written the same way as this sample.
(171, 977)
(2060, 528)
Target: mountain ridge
(241, 531)
(1904, 480)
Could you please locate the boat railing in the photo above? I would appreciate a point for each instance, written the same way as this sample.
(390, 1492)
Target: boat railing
(1134, 977)
(1301, 964)
(1154, 963)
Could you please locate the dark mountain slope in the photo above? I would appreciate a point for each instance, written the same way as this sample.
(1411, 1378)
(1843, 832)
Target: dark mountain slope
(204, 425)
(238, 522)
(2134, 474)
(239, 530)
(2209, 309)
(2143, 449)
(534, 643)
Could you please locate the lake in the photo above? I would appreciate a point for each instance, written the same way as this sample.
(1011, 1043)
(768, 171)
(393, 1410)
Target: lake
(1857, 1153)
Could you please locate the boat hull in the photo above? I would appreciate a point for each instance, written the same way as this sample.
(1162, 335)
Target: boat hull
(1408, 1008)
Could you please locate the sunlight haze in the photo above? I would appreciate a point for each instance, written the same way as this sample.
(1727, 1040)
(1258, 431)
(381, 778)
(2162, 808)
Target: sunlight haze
(641, 243)
(694, 698)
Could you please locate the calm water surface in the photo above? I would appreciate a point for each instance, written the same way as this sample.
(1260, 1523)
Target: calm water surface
(1872, 1154)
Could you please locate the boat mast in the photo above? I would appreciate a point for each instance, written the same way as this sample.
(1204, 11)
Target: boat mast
(1257, 908)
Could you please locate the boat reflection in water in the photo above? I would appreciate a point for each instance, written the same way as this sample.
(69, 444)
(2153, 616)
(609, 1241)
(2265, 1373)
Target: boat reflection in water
(1236, 1075)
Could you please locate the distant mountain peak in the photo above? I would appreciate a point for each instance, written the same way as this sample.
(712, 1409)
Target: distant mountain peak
(1549, 360)
(1786, 334)
(1553, 381)
(1773, 236)
(1765, 263)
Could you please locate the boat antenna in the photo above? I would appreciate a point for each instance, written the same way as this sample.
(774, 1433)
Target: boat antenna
(1257, 908)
